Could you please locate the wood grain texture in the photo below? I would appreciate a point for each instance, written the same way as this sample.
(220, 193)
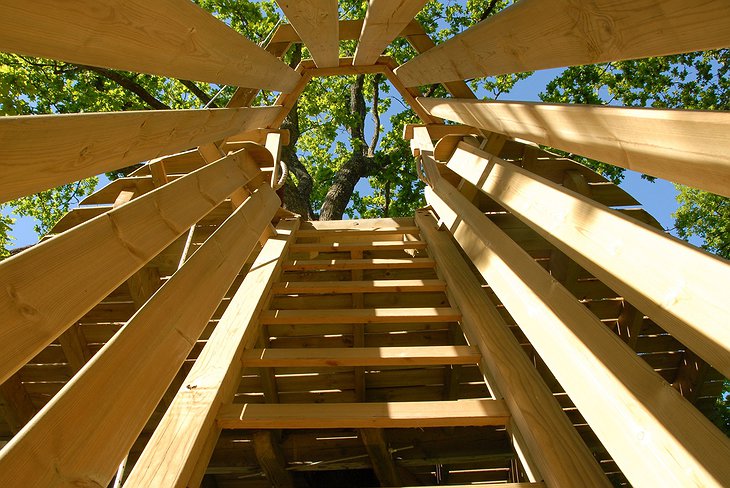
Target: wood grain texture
(360, 316)
(173, 38)
(539, 34)
(534, 409)
(384, 21)
(691, 147)
(459, 413)
(44, 151)
(44, 291)
(76, 439)
(675, 283)
(316, 23)
(178, 441)
(641, 420)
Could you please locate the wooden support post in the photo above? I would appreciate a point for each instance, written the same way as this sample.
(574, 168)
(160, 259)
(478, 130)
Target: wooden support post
(75, 348)
(15, 404)
(384, 20)
(43, 294)
(640, 418)
(317, 24)
(675, 284)
(76, 439)
(383, 464)
(271, 459)
(534, 410)
(180, 440)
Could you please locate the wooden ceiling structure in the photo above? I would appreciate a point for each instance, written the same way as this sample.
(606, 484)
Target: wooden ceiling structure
(533, 326)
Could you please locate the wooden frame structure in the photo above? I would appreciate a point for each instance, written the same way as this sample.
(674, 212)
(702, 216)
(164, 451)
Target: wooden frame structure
(532, 327)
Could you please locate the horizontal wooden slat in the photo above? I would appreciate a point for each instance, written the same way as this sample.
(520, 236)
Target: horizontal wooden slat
(174, 38)
(404, 229)
(358, 246)
(372, 286)
(349, 316)
(44, 291)
(361, 356)
(45, 151)
(691, 147)
(460, 413)
(358, 224)
(554, 33)
(335, 264)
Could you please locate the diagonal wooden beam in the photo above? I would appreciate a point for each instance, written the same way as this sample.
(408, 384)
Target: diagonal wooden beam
(691, 147)
(539, 34)
(15, 404)
(381, 459)
(44, 151)
(384, 21)
(44, 291)
(271, 459)
(316, 22)
(174, 38)
(77, 438)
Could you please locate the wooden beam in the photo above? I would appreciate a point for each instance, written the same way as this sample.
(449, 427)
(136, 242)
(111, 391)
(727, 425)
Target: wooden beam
(380, 457)
(173, 38)
(539, 34)
(674, 284)
(271, 459)
(349, 31)
(639, 417)
(75, 348)
(691, 147)
(361, 316)
(44, 292)
(371, 286)
(361, 356)
(535, 412)
(378, 263)
(358, 246)
(77, 438)
(179, 440)
(44, 151)
(384, 21)
(15, 404)
(460, 413)
(316, 23)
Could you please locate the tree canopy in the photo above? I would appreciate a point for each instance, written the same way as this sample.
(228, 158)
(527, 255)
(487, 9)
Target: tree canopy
(347, 128)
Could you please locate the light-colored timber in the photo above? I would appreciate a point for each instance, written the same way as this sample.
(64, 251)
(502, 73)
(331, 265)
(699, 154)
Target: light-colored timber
(555, 33)
(358, 246)
(376, 263)
(42, 152)
(691, 147)
(364, 415)
(316, 23)
(347, 316)
(373, 286)
(174, 38)
(384, 20)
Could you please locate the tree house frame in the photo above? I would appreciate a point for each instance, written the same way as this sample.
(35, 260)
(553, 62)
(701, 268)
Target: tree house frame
(532, 326)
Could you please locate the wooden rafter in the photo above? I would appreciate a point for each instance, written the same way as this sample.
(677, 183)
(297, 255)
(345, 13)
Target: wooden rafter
(540, 34)
(316, 22)
(174, 38)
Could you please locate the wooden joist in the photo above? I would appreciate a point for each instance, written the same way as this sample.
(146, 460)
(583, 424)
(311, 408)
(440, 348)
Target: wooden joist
(372, 286)
(535, 411)
(675, 284)
(378, 263)
(539, 34)
(316, 23)
(361, 356)
(691, 147)
(44, 291)
(180, 438)
(174, 38)
(384, 21)
(45, 151)
(461, 413)
(358, 246)
(360, 316)
(77, 438)
(650, 423)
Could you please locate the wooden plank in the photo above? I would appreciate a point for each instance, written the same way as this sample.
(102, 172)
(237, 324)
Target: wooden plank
(271, 459)
(359, 224)
(331, 233)
(371, 286)
(358, 246)
(173, 38)
(364, 316)
(639, 417)
(179, 440)
(78, 435)
(45, 292)
(15, 404)
(44, 151)
(384, 21)
(461, 413)
(380, 457)
(674, 284)
(535, 412)
(555, 33)
(361, 356)
(316, 23)
(691, 147)
(349, 31)
(335, 264)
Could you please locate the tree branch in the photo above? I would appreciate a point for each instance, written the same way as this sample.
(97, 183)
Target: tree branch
(202, 96)
(130, 85)
(488, 11)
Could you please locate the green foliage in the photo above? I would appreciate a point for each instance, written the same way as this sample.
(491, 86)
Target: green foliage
(704, 215)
